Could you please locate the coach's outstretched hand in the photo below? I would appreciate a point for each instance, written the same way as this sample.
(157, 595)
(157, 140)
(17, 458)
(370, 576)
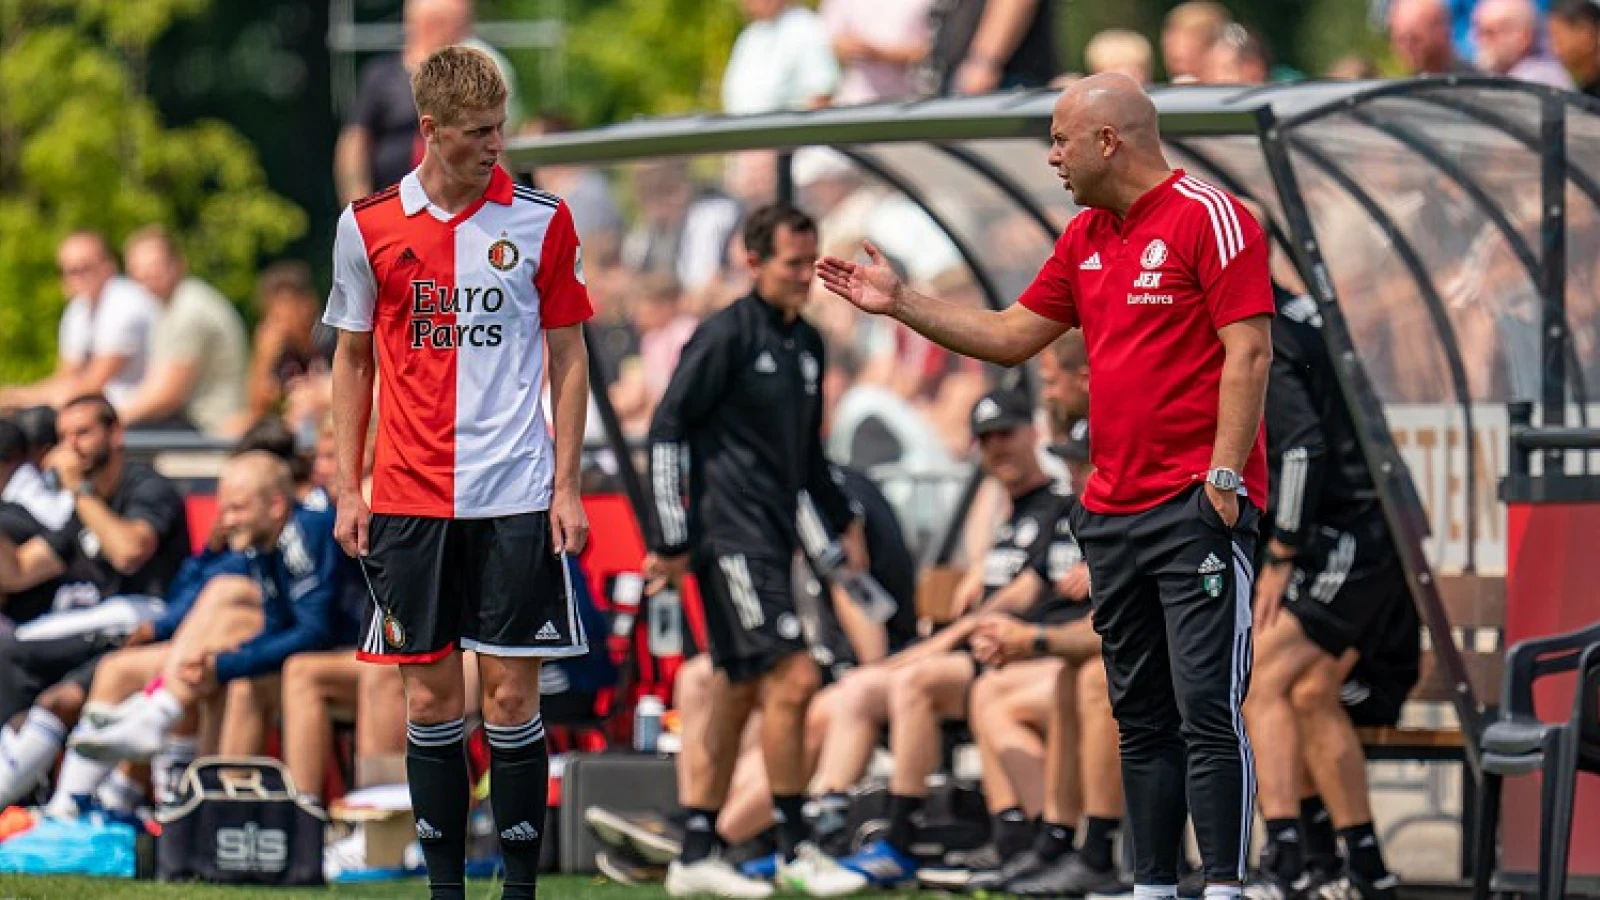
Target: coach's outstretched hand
(569, 524)
(352, 519)
(873, 288)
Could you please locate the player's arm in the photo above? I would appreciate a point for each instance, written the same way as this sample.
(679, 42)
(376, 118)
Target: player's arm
(697, 384)
(126, 543)
(1297, 436)
(163, 394)
(352, 303)
(1009, 337)
(569, 397)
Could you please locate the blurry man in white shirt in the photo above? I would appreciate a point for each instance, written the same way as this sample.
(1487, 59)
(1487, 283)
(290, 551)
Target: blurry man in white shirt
(781, 60)
(104, 336)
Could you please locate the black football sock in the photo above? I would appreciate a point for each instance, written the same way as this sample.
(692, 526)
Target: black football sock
(1362, 852)
(1098, 836)
(1053, 841)
(700, 838)
(902, 831)
(788, 813)
(436, 767)
(1012, 831)
(1282, 856)
(519, 785)
(1321, 844)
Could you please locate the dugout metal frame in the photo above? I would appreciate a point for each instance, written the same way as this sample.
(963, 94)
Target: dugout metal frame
(1291, 127)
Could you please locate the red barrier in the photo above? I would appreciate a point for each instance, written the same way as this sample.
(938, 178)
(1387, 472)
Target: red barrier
(1550, 589)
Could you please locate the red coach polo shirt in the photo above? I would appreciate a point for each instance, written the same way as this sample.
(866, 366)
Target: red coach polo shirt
(1150, 292)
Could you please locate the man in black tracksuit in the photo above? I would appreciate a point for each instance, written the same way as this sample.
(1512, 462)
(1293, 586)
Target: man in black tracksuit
(745, 407)
(1330, 563)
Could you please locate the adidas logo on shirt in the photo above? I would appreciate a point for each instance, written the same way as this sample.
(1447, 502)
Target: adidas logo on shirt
(765, 364)
(1211, 566)
(426, 831)
(1092, 263)
(548, 633)
(522, 831)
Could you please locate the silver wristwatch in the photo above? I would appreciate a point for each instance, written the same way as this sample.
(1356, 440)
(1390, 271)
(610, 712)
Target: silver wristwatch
(1223, 479)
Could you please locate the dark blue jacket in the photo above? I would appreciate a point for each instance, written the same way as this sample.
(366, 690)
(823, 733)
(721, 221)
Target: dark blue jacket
(191, 577)
(300, 581)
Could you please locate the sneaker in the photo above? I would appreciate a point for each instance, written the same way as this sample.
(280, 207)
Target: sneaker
(1267, 886)
(882, 864)
(651, 836)
(978, 860)
(100, 713)
(1311, 881)
(959, 867)
(992, 880)
(713, 877)
(762, 868)
(1068, 876)
(1348, 885)
(623, 867)
(347, 854)
(130, 737)
(817, 874)
(1192, 885)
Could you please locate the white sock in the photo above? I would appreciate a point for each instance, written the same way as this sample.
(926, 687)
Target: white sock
(30, 752)
(163, 709)
(79, 777)
(168, 765)
(119, 793)
(1222, 892)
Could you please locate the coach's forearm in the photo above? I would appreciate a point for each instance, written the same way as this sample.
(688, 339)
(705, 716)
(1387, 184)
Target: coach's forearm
(1241, 402)
(569, 391)
(353, 373)
(979, 333)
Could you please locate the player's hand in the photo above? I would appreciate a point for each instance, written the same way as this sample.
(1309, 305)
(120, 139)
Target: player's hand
(352, 521)
(1271, 584)
(143, 634)
(1075, 584)
(663, 571)
(200, 673)
(873, 287)
(1226, 503)
(569, 524)
(854, 542)
(967, 593)
(68, 466)
(998, 640)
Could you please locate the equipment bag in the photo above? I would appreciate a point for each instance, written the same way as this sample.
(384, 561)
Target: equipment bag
(239, 820)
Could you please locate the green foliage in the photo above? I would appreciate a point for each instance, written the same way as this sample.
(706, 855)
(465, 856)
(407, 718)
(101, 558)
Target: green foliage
(648, 57)
(81, 146)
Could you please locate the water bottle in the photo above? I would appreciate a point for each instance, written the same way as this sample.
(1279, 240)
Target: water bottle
(647, 723)
(666, 623)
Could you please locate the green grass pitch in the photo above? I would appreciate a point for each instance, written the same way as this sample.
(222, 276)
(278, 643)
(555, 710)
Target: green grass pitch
(569, 887)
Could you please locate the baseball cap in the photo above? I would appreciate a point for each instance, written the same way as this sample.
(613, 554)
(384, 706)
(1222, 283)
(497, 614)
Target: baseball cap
(1001, 410)
(1075, 449)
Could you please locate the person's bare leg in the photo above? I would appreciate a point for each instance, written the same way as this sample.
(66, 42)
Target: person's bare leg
(1333, 753)
(314, 685)
(730, 706)
(921, 696)
(380, 726)
(786, 693)
(1009, 711)
(1282, 654)
(860, 709)
(252, 705)
(1063, 788)
(748, 810)
(1098, 746)
(691, 697)
(123, 673)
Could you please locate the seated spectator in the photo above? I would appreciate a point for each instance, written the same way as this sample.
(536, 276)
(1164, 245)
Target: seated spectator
(104, 336)
(932, 682)
(677, 231)
(283, 604)
(663, 330)
(880, 45)
(38, 424)
(1237, 56)
(197, 355)
(1120, 50)
(1506, 35)
(1187, 33)
(1420, 33)
(292, 352)
(120, 550)
(781, 60)
(1575, 41)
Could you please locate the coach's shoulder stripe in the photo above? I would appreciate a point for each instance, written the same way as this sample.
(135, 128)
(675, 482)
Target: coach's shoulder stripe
(1224, 219)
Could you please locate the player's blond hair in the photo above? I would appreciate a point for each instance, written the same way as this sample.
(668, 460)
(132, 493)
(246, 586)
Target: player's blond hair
(456, 80)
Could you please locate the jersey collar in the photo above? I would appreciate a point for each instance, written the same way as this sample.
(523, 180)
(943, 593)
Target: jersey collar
(1150, 199)
(413, 199)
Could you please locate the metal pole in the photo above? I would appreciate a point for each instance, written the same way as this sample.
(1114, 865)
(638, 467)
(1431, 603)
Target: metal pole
(1553, 259)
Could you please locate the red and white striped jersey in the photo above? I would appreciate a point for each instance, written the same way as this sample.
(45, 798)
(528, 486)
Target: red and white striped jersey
(459, 305)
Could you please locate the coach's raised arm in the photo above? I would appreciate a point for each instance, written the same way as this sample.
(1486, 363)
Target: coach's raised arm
(1167, 277)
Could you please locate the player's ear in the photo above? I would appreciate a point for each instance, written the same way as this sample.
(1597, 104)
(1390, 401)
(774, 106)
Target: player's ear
(428, 125)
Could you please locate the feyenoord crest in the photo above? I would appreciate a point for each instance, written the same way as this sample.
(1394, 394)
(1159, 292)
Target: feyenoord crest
(504, 255)
(1212, 584)
(1155, 253)
(393, 632)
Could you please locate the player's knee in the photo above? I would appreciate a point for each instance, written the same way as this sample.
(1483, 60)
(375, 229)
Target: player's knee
(692, 687)
(1316, 691)
(230, 590)
(427, 705)
(299, 674)
(510, 702)
(64, 701)
(797, 681)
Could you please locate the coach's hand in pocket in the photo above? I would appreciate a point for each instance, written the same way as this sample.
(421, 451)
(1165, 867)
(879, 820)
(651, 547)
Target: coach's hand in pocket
(569, 524)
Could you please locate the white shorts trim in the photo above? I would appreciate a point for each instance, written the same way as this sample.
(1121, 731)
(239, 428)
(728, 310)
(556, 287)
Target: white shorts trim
(566, 652)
